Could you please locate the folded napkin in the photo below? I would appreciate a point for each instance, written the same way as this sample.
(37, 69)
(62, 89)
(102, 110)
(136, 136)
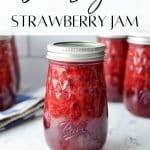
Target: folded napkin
(28, 106)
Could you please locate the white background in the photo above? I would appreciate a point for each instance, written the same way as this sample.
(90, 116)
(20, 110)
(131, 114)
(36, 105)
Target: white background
(129, 8)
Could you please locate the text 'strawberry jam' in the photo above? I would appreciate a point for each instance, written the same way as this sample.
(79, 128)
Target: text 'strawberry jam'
(75, 110)
(7, 74)
(137, 78)
(16, 62)
(114, 65)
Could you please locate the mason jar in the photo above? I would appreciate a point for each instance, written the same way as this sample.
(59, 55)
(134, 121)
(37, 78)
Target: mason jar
(114, 65)
(7, 74)
(75, 110)
(137, 77)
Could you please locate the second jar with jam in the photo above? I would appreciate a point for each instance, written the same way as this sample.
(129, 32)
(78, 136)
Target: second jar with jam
(75, 110)
(7, 74)
(114, 65)
(137, 78)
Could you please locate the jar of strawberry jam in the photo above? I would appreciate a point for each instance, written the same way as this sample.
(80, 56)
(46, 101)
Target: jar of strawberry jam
(114, 65)
(137, 78)
(7, 74)
(75, 110)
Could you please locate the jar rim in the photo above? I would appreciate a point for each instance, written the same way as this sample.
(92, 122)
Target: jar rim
(113, 34)
(139, 38)
(76, 51)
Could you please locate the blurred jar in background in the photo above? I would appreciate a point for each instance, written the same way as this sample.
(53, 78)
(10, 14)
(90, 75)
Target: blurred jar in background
(16, 61)
(114, 65)
(7, 74)
(137, 78)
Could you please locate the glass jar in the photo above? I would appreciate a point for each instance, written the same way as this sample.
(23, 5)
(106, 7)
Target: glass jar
(137, 78)
(75, 110)
(16, 62)
(114, 65)
(7, 74)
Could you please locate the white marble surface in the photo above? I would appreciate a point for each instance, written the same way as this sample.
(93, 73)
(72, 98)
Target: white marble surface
(126, 132)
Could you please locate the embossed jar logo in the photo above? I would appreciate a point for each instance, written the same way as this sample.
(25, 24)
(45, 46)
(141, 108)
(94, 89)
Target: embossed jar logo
(69, 131)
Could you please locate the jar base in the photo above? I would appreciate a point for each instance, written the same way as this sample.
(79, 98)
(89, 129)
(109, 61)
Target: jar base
(138, 111)
(86, 139)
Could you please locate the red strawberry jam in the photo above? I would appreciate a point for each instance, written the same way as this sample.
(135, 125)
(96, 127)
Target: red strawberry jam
(7, 76)
(137, 79)
(75, 111)
(114, 65)
(16, 61)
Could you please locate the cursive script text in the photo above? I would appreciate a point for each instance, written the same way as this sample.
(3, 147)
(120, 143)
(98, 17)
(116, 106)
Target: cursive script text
(25, 1)
(69, 131)
(93, 7)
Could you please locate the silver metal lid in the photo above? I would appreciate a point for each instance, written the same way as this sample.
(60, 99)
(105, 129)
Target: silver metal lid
(76, 51)
(139, 38)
